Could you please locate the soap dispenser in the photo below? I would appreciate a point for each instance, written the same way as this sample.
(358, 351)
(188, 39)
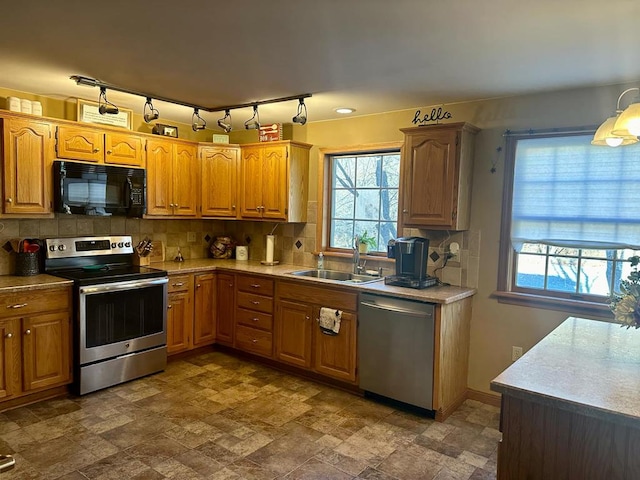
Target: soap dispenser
(321, 261)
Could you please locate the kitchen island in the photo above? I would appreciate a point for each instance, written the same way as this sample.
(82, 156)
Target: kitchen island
(571, 405)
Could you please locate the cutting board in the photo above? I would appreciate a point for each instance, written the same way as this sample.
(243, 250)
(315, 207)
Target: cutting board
(157, 252)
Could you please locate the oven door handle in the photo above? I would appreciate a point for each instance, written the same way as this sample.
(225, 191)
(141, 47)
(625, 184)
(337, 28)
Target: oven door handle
(119, 286)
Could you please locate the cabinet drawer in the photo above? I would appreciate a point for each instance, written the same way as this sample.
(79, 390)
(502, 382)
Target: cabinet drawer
(179, 283)
(21, 304)
(259, 285)
(253, 319)
(254, 340)
(255, 302)
(323, 296)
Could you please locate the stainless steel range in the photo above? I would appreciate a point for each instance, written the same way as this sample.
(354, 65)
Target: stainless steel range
(120, 310)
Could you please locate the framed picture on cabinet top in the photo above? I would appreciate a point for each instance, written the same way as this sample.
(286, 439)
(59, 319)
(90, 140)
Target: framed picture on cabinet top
(88, 113)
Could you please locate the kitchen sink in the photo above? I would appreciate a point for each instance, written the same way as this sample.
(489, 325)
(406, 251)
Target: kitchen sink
(343, 277)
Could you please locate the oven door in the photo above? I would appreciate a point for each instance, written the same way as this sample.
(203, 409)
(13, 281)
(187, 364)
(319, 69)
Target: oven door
(120, 318)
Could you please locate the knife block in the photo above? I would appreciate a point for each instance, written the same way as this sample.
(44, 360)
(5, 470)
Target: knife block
(142, 261)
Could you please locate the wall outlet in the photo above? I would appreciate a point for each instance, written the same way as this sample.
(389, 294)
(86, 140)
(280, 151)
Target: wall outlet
(453, 251)
(516, 353)
(191, 237)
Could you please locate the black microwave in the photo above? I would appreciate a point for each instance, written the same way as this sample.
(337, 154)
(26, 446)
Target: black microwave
(88, 189)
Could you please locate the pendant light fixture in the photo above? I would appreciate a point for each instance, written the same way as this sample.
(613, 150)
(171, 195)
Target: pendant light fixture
(150, 113)
(623, 128)
(301, 116)
(197, 122)
(104, 105)
(254, 122)
(225, 122)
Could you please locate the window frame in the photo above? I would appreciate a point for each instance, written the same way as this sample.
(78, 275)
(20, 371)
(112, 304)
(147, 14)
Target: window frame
(507, 291)
(324, 192)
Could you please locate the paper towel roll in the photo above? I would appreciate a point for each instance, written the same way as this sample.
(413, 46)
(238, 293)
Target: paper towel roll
(271, 243)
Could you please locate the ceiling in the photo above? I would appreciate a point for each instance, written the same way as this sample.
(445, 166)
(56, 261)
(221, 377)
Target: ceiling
(372, 55)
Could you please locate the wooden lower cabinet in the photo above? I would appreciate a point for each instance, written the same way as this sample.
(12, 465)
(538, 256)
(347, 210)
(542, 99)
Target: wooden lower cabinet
(180, 313)
(225, 309)
(254, 314)
(204, 305)
(298, 338)
(35, 342)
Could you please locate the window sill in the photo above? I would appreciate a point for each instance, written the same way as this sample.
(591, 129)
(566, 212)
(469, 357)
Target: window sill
(574, 307)
(373, 258)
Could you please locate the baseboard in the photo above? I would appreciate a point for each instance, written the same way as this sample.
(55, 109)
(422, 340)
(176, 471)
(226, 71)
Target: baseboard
(488, 398)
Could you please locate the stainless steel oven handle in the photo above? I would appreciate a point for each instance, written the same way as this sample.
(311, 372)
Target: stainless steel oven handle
(119, 286)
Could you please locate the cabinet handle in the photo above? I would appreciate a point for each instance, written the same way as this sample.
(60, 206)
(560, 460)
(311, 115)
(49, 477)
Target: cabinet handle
(258, 208)
(405, 210)
(27, 331)
(177, 284)
(255, 340)
(9, 335)
(233, 207)
(255, 319)
(96, 150)
(17, 305)
(231, 284)
(255, 302)
(307, 317)
(255, 285)
(108, 152)
(9, 200)
(169, 306)
(198, 285)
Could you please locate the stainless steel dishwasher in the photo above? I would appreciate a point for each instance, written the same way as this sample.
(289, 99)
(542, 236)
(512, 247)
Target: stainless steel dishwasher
(395, 349)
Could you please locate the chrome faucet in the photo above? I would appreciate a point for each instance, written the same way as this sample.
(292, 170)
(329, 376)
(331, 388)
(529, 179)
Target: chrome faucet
(357, 267)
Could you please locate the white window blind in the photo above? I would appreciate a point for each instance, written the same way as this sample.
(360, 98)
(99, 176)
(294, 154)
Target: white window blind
(568, 192)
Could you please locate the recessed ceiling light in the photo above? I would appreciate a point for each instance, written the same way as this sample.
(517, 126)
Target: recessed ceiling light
(345, 110)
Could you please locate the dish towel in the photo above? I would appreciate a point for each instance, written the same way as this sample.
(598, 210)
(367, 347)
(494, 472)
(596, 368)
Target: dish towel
(330, 320)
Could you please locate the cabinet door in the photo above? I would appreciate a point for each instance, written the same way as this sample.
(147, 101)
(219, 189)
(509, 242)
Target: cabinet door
(80, 144)
(274, 179)
(219, 181)
(185, 180)
(251, 187)
(204, 318)
(293, 333)
(335, 355)
(159, 177)
(430, 179)
(9, 348)
(179, 322)
(28, 160)
(45, 351)
(123, 149)
(225, 309)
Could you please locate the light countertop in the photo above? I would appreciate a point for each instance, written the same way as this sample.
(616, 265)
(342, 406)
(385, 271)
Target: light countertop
(13, 283)
(584, 366)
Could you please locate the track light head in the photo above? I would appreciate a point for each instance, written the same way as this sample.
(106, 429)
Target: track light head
(104, 105)
(254, 122)
(225, 126)
(150, 113)
(301, 116)
(197, 122)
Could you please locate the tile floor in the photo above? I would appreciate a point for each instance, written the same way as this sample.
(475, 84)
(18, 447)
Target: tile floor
(214, 416)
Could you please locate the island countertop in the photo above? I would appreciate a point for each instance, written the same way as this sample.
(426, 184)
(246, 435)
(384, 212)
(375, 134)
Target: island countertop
(584, 366)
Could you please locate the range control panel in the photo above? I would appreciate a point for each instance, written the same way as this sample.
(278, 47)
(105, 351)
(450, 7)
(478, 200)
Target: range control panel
(88, 246)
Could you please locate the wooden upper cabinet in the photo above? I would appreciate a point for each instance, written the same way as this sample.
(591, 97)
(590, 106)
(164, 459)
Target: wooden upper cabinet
(123, 149)
(95, 145)
(27, 166)
(436, 172)
(172, 178)
(274, 179)
(219, 168)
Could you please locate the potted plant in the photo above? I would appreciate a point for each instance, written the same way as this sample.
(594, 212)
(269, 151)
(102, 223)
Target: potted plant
(365, 241)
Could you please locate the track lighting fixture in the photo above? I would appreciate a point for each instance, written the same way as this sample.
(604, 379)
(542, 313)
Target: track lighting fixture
(254, 122)
(150, 113)
(194, 121)
(104, 105)
(301, 116)
(225, 125)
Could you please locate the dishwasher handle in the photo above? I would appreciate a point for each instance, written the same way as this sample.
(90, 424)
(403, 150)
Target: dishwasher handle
(403, 311)
(7, 462)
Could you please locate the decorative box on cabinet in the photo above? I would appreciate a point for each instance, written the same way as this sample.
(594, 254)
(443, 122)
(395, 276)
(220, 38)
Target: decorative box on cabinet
(172, 178)
(254, 314)
(27, 160)
(96, 145)
(436, 174)
(35, 346)
(274, 181)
